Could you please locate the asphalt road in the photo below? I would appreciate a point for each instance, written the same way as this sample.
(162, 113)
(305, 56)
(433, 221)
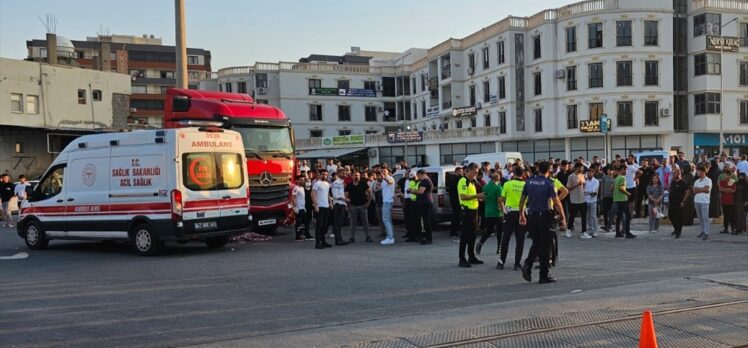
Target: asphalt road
(100, 295)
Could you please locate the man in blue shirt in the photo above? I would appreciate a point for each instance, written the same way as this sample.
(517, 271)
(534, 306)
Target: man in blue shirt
(539, 218)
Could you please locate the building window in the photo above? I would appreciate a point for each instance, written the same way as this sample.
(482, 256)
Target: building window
(342, 132)
(371, 85)
(192, 60)
(261, 80)
(486, 91)
(572, 120)
(624, 75)
(651, 34)
(651, 73)
(472, 95)
(487, 120)
(596, 75)
(538, 120)
(344, 113)
(625, 117)
(571, 39)
(227, 87)
(744, 112)
(471, 63)
(262, 101)
(315, 83)
(707, 24)
(370, 113)
(458, 124)
(423, 108)
(147, 104)
(241, 87)
(315, 112)
(473, 122)
(744, 34)
(95, 95)
(344, 84)
(500, 49)
(502, 122)
(502, 87)
(538, 83)
(167, 74)
(32, 104)
(707, 103)
(19, 147)
(536, 46)
(163, 89)
(81, 96)
(595, 35)
(16, 105)
(316, 133)
(707, 63)
(651, 113)
(486, 58)
(571, 78)
(596, 109)
(623, 33)
(743, 80)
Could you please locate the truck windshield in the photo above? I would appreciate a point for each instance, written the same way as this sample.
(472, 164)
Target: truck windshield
(266, 139)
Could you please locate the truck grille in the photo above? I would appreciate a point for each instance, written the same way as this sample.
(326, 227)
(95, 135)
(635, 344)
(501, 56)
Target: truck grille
(265, 196)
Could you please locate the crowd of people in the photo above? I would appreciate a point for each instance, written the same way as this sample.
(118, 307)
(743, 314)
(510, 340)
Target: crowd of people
(8, 191)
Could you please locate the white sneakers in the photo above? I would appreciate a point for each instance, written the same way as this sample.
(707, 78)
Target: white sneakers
(388, 241)
(586, 235)
(568, 234)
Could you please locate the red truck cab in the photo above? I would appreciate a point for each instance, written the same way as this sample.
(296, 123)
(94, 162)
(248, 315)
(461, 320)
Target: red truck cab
(268, 143)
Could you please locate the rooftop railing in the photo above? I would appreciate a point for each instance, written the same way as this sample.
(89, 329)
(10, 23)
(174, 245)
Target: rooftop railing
(740, 5)
(586, 7)
(428, 135)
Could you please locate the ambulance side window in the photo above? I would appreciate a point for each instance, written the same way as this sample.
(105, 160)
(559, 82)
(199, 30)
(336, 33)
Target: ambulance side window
(51, 185)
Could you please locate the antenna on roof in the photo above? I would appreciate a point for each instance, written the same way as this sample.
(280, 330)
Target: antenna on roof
(49, 22)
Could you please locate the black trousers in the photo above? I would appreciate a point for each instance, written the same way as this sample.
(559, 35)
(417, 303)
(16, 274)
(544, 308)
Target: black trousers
(607, 207)
(641, 196)
(728, 216)
(512, 227)
(623, 215)
(323, 216)
(302, 223)
(493, 224)
(340, 212)
(542, 228)
(454, 225)
(581, 209)
(467, 238)
(675, 214)
(632, 198)
(425, 211)
(412, 225)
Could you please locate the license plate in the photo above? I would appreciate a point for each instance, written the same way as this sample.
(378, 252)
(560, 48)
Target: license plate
(266, 222)
(206, 225)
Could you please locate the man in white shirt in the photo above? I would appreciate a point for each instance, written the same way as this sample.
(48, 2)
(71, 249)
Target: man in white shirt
(632, 179)
(591, 189)
(331, 166)
(388, 195)
(20, 191)
(304, 166)
(321, 201)
(702, 186)
(299, 207)
(340, 206)
(743, 165)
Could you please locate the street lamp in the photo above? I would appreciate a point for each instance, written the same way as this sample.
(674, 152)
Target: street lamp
(722, 87)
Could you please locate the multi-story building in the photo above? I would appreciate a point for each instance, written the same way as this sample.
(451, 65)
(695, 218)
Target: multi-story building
(538, 84)
(150, 64)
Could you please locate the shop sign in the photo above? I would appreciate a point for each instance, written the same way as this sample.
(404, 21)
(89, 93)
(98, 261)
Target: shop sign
(593, 126)
(403, 137)
(344, 140)
(722, 43)
(342, 92)
(465, 112)
(432, 111)
(711, 139)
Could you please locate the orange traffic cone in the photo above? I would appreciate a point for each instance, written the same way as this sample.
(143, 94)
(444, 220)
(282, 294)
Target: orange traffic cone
(647, 338)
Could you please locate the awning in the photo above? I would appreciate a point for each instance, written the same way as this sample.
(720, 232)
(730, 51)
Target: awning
(329, 153)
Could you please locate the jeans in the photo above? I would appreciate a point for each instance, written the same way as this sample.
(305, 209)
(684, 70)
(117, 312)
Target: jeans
(702, 212)
(7, 216)
(359, 212)
(623, 215)
(387, 219)
(608, 212)
(654, 222)
(340, 213)
(580, 208)
(592, 216)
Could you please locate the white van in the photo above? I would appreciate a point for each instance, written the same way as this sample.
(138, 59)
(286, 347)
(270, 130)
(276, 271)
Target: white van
(501, 157)
(660, 156)
(439, 195)
(144, 186)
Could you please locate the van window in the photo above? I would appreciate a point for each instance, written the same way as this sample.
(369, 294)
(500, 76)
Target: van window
(206, 171)
(51, 185)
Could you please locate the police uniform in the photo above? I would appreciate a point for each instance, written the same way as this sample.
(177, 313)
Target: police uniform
(512, 193)
(412, 223)
(541, 223)
(469, 208)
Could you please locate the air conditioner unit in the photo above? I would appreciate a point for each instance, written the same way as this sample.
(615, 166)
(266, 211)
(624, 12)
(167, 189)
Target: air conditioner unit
(478, 105)
(262, 90)
(380, 109)
(379, 88)
(665, 112)
(470, 71)
(560, 74)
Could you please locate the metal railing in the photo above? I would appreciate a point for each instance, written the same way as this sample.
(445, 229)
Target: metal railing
(235, 70)
(586, 7)
(541, 17)
(740, 5)
(430, 134)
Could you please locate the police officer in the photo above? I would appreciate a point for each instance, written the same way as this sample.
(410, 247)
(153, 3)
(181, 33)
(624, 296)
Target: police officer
(510, 199)
(469, 201)
(412, 222)
(541, 192)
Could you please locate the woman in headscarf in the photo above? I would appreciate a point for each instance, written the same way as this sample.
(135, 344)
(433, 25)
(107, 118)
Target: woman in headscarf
(715, 209)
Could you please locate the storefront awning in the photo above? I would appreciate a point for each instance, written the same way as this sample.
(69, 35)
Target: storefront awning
(329, 153)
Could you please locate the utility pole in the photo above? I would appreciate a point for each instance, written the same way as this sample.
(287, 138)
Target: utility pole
(181, 46)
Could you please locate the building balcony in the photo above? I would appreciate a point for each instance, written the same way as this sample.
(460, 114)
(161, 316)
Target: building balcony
(429, 137)
(233, 71)
(447, 105)
(589, 6)
(736, 5)
(154, 81)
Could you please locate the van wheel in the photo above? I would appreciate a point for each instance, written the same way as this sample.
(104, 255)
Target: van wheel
(216, 242)
(145, 241)
(36, 239)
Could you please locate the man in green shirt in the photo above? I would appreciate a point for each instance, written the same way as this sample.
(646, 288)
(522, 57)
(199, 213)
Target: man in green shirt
(509, 203)
(620, 201)
(491, 213)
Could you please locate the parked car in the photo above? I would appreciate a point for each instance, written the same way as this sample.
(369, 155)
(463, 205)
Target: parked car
(439, 195)
(650, 155)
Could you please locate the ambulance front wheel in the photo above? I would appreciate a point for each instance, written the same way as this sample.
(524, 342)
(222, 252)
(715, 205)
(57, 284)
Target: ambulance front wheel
(216, 242)
(36, 239)
(145, 241)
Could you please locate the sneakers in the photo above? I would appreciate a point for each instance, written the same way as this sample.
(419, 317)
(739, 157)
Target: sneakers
(568, 234)
(700, 235)
(475, 262)
(547, 280)
(308, 238)
(705, 237)
(630, 236)
(594, 235)
(500, 265)
(388, 241)
(586, 235)
(526, 272)
(464, 264)
(478, 247)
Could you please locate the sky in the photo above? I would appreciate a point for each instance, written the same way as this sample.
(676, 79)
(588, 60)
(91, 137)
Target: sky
(242, 32)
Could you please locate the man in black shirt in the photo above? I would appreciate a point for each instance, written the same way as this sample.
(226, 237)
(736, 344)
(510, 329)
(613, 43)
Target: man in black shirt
(6, 193)
(454, 202)
(424, 205)
(679, 191)
(358, 195)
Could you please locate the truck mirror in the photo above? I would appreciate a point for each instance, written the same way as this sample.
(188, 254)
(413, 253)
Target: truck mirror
(180, 104)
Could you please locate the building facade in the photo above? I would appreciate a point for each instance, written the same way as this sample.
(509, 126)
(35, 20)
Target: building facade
(151, 66)
(539, 85)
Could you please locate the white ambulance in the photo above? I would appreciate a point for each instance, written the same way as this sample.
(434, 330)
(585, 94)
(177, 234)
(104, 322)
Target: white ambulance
(147, 187)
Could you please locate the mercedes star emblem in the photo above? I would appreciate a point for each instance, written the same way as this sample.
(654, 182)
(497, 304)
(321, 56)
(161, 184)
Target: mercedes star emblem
(266, 179)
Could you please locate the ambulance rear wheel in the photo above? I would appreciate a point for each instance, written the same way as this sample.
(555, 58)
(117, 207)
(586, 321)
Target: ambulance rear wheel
(145, 242)
(36, 239)
(216, 242)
